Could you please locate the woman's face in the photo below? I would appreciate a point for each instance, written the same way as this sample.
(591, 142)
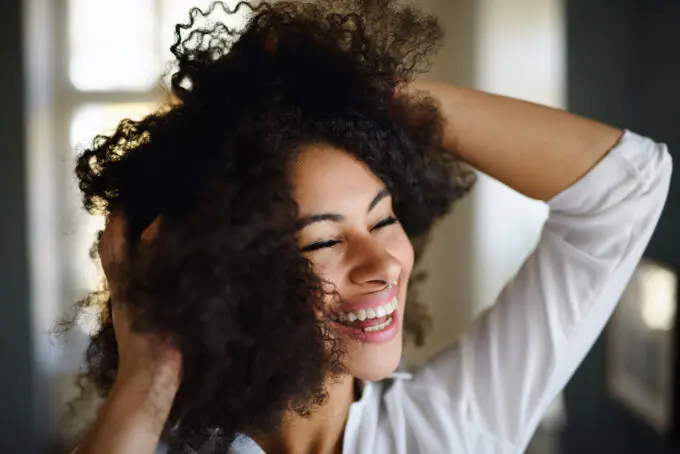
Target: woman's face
(350, 234)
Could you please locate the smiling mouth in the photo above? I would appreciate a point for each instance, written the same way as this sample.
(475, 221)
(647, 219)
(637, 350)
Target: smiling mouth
(370, 319)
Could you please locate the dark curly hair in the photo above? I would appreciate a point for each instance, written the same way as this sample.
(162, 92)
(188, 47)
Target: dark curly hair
(224, 277)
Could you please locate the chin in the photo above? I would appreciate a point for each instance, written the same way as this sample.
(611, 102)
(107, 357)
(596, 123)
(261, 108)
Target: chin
(373, 362)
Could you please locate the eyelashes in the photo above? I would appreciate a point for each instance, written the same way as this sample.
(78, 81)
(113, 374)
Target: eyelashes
(384, 223)
(390, 220)
(320, 245)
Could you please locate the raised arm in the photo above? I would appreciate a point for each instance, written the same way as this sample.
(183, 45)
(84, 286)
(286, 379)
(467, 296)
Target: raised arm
(605, 191)
(536, 150)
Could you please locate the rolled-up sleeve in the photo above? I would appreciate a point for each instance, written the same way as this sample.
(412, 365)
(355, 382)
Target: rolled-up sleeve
(500, 377)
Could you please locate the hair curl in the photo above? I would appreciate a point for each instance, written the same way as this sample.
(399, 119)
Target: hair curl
(224, 278)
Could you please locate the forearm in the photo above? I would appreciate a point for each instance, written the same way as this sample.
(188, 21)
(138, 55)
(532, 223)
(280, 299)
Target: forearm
(534, 149)
(131, 420)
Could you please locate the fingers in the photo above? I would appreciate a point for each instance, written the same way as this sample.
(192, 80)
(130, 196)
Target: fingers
(113, 247)
(150, 233)
(113, 241)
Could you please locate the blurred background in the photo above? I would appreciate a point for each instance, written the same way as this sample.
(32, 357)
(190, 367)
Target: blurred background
(73, 68)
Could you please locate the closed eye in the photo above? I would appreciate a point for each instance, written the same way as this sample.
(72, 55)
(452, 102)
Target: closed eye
(320, 245)
(330, 243)
(385, 222)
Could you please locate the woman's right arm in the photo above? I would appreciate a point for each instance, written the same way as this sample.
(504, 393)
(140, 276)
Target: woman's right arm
(131, 420)
(149, 369)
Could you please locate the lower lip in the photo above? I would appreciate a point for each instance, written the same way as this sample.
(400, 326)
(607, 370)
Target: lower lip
(373, 337)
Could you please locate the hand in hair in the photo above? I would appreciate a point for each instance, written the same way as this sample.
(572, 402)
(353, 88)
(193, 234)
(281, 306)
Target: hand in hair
(149, 367)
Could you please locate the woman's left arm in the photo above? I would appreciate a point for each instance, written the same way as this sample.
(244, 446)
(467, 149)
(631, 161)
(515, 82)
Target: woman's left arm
(536, 150)
(606, 189)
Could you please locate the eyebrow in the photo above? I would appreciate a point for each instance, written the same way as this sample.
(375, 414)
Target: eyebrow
(333, 217)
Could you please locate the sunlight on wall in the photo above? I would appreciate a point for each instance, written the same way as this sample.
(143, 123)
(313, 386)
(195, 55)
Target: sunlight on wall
(520, 49)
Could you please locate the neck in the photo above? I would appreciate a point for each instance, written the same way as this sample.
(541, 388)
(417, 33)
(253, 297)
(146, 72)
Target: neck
(322, 432)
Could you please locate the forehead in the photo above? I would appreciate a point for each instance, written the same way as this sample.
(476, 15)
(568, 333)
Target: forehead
(325, 177)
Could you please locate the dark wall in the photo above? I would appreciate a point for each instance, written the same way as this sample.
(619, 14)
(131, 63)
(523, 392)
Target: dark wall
(23, 421)
(624, 69)
(656, 109)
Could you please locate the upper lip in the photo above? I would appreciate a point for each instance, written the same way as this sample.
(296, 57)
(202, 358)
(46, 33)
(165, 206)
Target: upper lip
(372, 300)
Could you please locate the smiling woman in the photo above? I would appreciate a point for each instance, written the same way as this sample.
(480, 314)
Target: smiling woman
(277, 178)
(258, 249)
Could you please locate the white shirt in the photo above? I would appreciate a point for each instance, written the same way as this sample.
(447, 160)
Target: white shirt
(487, 392)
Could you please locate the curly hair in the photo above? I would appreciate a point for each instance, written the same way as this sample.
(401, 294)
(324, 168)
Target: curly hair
(224, 278)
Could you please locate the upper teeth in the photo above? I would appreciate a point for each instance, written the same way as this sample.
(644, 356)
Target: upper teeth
(367, 314)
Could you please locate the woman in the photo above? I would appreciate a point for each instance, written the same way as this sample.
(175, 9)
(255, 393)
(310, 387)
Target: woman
(258, 254)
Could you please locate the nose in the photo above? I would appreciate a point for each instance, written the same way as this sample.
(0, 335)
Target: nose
(373, 266)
